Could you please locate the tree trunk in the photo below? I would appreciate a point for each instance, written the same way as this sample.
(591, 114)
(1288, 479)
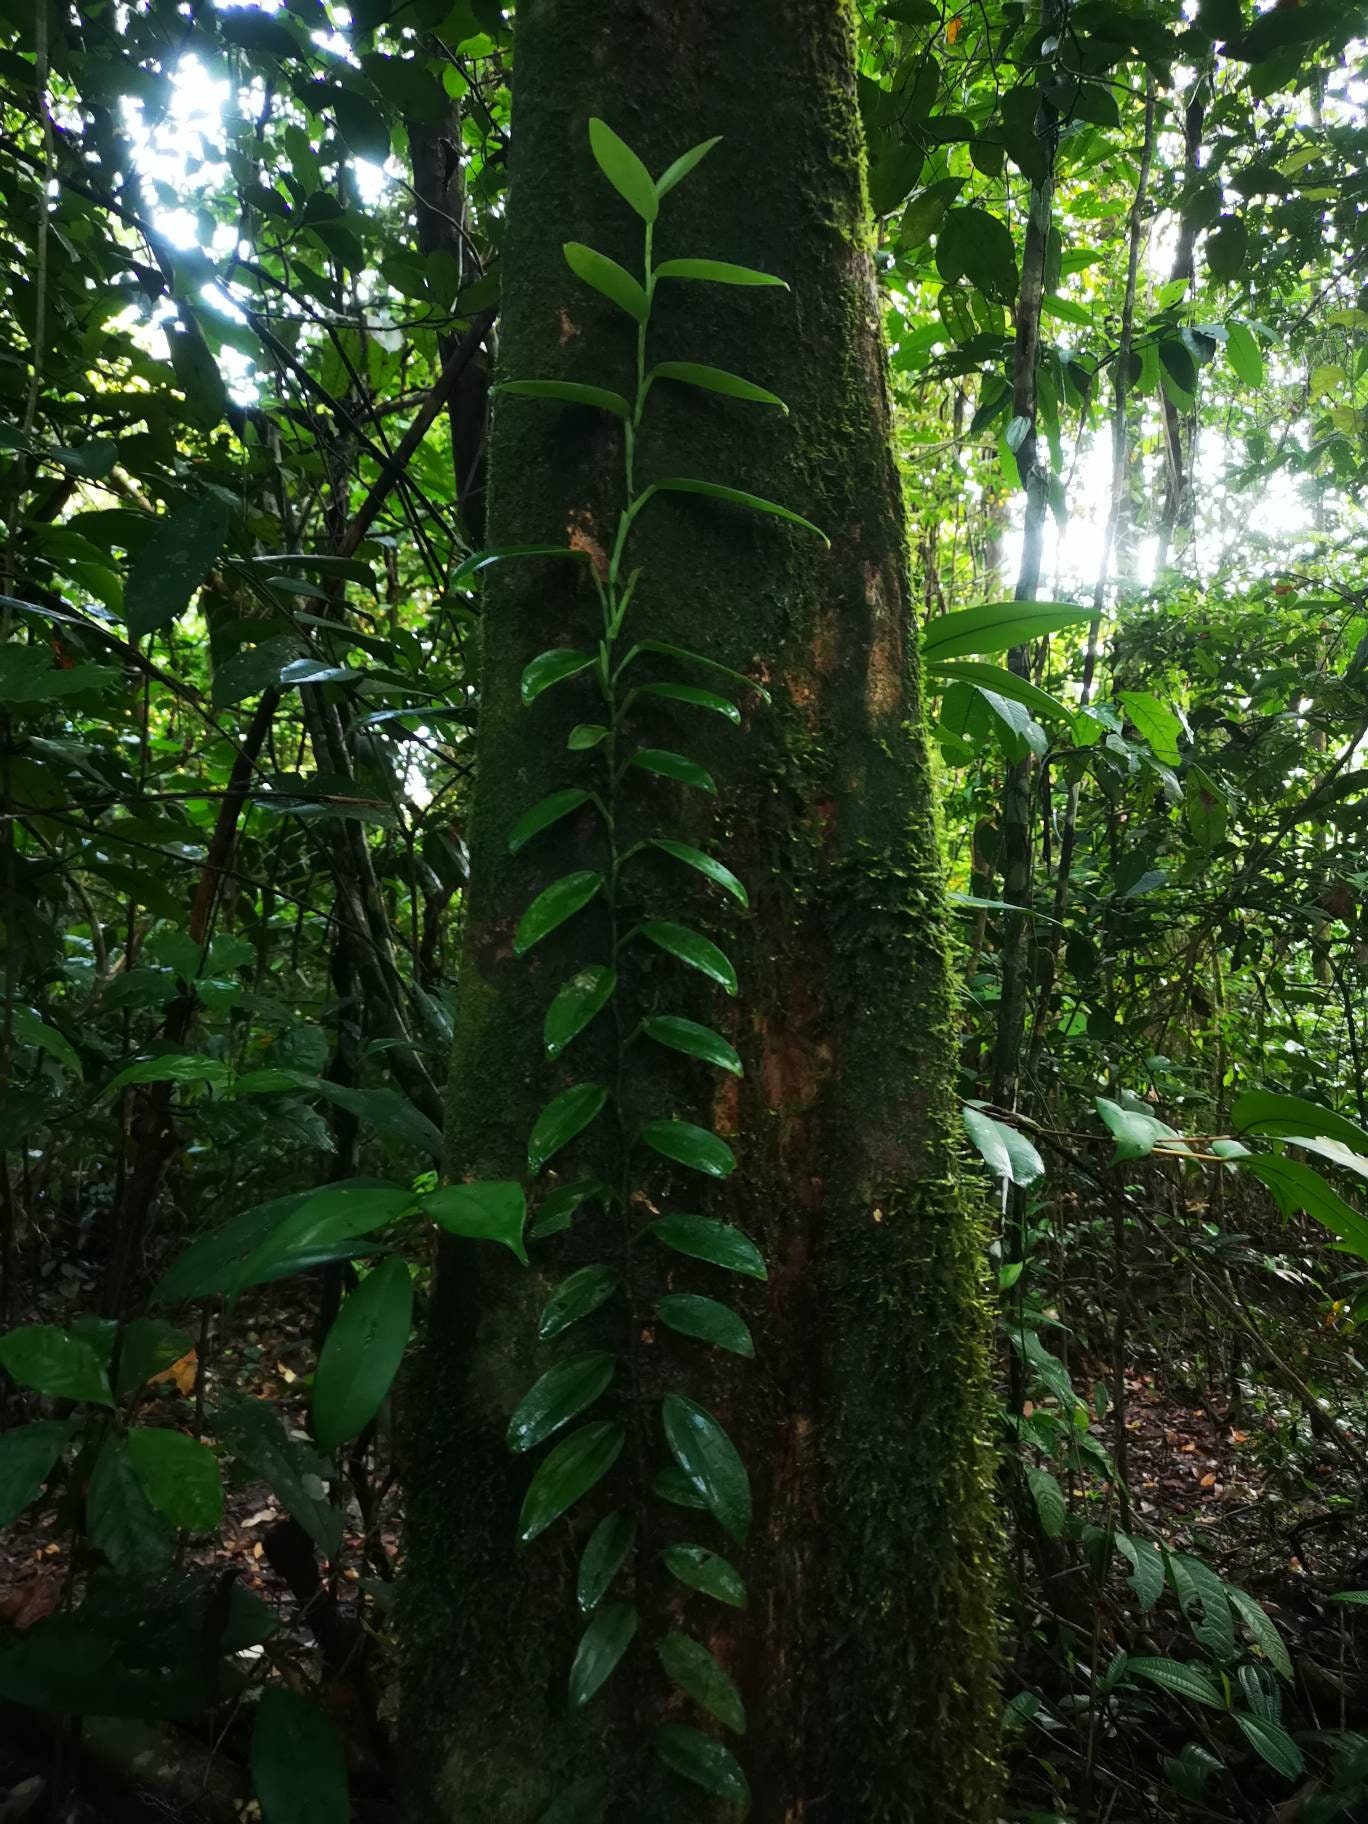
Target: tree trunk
(865, 1655)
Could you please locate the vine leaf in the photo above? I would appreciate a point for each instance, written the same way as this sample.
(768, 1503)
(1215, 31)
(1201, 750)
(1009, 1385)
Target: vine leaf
(716, 380)
(561, 1393)
(604, 1556)
(575, 1466)
(705, 1238)
(696, 1147)
(587, 993)
(606, 276)
(361, 1354)
(487, 1211)
(691, 694)
(560, 1205)
(707, 1321)
(563, 1117)
(567, 392)
(585, 735)
(624, 170)
(708, 1457)
(693, 658)
(671, 1484)
(680, 169)
(693, 1668)
(575, 1297)
(670, 765)
(736, 497)
(703, 1570)
(550, 668)
(556, 903)
(690, 947)
(693, 1040)
(481, 560)
(716, 272)
(705, 864)
(542, 815)
(601, 1646)
(702, 1759)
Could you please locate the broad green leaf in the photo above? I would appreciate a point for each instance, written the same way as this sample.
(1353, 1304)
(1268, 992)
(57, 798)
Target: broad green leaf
(668, 765)
(550, 668)
(601, 1646)
(1147, 1569)
(361, 1354)
(587, 993)
(554, 905)
(1265, 1111)
(586, 735)
(1299, 1187)
(1155, 721)
(708, 1457)
(716, 380)
(707, 1320)
(1136, 1133)
(575, 1466)
(1050, 1505)
(996, 627)
(1355, 1598)
(693, 1040)
(560, 1205)
(197, 373)
(680, 169)
(691, 694)
(703, 1570)
(606, 276)
(603, 1557)
(387, 1109)
(338, 1213)
(170, 1067)
(1244, 354)
(704, 1238)
(30, 1028)
(487, 1210)
(179, 1476)
(693, 1668)
(1202, 1598)
(575, 1297)
(1023, 729)
(542, 815)
(567, 392)
(1205, 808)
(976, 245)
(294, 1471)
(736, 497)
(563, 1117)
(299, 1768)
(696, 1147)
(690, 947)
(362, 125)
(55, 1363)
(561, 1393)
(1333, 1150)
(703, 1760)
(211, 1264)
(27, 1456)
(716, 272)
(1272, 1743)
(1187, 1681)
(705, 864)
(122, 1522)
(623, 169)
(1002, 683)
(173, 563)
(1004, 1150)
(1261, 1631)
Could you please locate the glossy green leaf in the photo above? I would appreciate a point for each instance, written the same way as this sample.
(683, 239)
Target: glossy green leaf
(708, 1457)
(1264, 1111)
(575, 1297)
(693, 1040)
(1155, 721)
(552, 667)
(1002, 683)
(687, 1144)
(690, 947)
(675, 173)
(567, 392)
(705, 864)
(563, 1117)
(995, 627)
(1271, 1742)
(586, 735)
(299, 1768)
(614, 282)
(558, 1207)
(561, 1393)
(122, 1523)
(179, 1476)
(696, 698)
(601, 1646)
(703, 1760)
(481, 560)
(703, 1570)
(1004, 1150)
(586, 993)
(54, 1362)
(603, 1557)
(704, 1238)
(28, 1454)
(543, 814)
(707, 1320)
(670, 765)
(624, 170)
(693, 1668)
(1244, 354)
(554, 905)
(173, 563)
(337, 1213)
(361, 1354)
(672, 1485)
(1147, 1569)
(716, 380)
(575, 1466)
(1136, 1133)
(716, 272)
(486, 1210)
(736, 497)
(1298, 1187)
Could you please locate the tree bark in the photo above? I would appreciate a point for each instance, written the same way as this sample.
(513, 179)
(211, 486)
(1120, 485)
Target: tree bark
(865, 1654)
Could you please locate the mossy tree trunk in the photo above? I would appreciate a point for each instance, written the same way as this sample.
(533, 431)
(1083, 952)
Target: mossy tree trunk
(865, 1655)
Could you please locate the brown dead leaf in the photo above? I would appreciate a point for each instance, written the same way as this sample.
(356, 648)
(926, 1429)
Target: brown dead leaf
(182, 1373)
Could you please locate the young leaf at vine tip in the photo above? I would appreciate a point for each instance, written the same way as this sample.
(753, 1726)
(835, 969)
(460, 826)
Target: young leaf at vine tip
(563, 1117)
(567, 392)
(577, 1464)
(558, 1396)
(53, 1362)
(675, 173)
(488, 1210)
(716, 380)
(601, 1646)
(554, 905)
(585, 735)
(692, 695)
(624, 170)
(670, 765)
(552, 667)
(708, 1457)
(696, 1672)
(736, 497)
(614, 282)
(706, 1320)
(693, 1040)
(586, 994)
(705, 864)
(299, 1768)
(716, 272)
(703, 1760)
(361, 1354)
(691, 947)
(705, 1238)
(179, 1476)
(687, 1144)
(546, 812)
(582, 1292)
(604, 1556)
(706, 1571)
